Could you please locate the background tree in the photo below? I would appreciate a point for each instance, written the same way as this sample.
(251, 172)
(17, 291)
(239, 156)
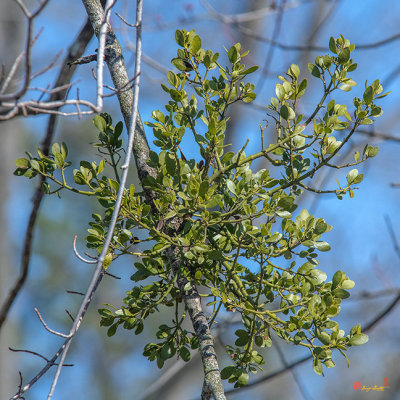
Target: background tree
(382, 273)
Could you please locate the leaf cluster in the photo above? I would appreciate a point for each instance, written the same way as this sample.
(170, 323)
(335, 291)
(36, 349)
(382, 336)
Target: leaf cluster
(237, 231)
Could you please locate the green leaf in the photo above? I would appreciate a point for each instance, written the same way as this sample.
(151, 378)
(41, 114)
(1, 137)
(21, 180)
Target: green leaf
(332, 45)
(100, 123)
(249, 70)
(359, 339)
(227, 372)
(274, 238)
(371, 151)
(284, 214)
(337, 279)
(242, 341)
(203, 190)
(354, 177)
(215, 255)
(344, 56)
(348, 85)
(184, 352)
(181, 65)
(166, 352)
(295, 70)
(170, 164)
(243, 379)
(34, 165)
(322, 246)
(302, 88)
(22, 163)
(214, 292)
(341, 293)
(179, 38)
(231, 186)
(348, 284)
(280, 91)
(366, 121)
(324, 338)
(196, 43)
(111, 330)
(233, 54)
(314, 71)
(249, 97)
(320, 227)
(368, 95)
(118, 129)
(56, 149)
(383, 95)
(317, 366)
(284, 112)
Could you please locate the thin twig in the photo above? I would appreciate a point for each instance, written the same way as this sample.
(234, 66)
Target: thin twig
(392, 235)
(111, 275)
(63, 335)
(75, 292)
(15, 65)
(70, 315)
(80, 257)
(36, 354)
(50, 363)
(125, 21)
(101, 53)
(271, 49)
(228, 19)
(28, 48)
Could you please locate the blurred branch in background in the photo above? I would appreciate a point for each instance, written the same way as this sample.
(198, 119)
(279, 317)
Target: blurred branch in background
(64, 78)
(12, 105)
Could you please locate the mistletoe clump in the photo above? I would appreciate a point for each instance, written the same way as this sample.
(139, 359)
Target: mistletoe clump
(232, 230)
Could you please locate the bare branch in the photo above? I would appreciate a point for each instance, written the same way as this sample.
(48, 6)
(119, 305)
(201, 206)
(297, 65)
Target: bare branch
(36, 354)
(125, 21)
(379, 135)
(28, 49)
(10, 104)
(70, 315)
(49, 329)
(112, 275)
(75, 292)
(270, 52)
(80, 257)
(231, 20)
(15, 65)
(392, 235)
(50, 363)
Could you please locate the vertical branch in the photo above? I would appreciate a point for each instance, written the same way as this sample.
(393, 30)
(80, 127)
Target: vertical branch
(116, 66)
(212, 376)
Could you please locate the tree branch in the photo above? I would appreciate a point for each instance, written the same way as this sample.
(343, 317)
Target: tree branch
(64, 78)
(289, 367)
(119, 76)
